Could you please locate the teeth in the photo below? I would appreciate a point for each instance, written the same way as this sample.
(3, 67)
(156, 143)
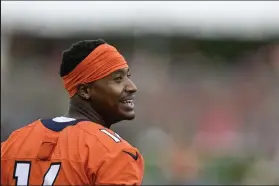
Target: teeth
(128, 101)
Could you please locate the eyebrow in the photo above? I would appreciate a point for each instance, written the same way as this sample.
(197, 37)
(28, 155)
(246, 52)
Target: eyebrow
(122, 70)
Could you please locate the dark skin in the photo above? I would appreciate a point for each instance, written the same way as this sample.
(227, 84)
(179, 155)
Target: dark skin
(105, 101)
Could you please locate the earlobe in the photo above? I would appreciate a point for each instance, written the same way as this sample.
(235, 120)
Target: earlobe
(83, 91)
(84, 95)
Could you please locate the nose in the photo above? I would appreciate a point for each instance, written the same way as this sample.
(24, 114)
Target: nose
(131, 87)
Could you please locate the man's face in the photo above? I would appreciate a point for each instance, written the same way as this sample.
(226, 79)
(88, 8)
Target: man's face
(113, 96)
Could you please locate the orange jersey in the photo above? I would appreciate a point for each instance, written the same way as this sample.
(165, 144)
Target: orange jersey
(66, 151)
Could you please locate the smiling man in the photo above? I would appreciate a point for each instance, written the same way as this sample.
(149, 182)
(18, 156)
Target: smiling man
(79, 148)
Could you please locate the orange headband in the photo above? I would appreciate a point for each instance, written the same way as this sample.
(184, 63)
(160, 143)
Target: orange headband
(102, 61)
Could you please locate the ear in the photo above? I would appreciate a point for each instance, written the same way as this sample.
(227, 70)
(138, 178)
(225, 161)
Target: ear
(84, 91)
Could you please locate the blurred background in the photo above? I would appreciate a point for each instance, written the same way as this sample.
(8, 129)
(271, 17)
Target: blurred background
(207, 74)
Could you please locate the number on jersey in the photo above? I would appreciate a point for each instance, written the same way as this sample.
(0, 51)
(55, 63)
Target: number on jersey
(115, 137)
(23, 169)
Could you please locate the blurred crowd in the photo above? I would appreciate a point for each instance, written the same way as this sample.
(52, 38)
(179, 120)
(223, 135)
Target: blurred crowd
(204, 116)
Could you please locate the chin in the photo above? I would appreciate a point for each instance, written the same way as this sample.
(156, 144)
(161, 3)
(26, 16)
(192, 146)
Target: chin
(128, 115)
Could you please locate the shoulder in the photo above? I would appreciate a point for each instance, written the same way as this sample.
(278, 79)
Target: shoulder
(22, 131)
(107, 138)
(15, 139)
(109, 154)
(90, 133)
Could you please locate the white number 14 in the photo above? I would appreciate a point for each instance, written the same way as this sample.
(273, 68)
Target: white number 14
(23, 168)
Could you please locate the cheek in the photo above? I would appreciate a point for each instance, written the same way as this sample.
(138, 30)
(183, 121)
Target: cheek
(112, 95)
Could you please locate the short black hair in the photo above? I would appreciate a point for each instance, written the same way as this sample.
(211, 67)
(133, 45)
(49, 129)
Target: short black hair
(76, 53)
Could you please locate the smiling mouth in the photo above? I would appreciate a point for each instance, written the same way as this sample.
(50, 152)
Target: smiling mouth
(129, 104)
(127, 101)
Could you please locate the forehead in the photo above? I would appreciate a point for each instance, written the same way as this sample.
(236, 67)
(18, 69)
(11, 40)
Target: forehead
(122, 70)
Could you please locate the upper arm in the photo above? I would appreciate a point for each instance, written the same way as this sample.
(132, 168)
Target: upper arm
(106, 162)
(2, 144)
(121, 169)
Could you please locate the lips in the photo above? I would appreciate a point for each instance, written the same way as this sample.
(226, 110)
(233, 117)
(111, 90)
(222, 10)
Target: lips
(128, 102)
(131, 97)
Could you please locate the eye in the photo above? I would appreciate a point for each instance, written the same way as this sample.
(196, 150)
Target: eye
(118, 79)
(129, 75)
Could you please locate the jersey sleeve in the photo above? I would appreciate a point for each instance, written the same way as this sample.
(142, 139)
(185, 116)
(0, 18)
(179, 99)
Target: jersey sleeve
(123, 168)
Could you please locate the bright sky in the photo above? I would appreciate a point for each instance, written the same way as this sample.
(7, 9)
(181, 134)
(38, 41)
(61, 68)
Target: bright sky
(144, 15)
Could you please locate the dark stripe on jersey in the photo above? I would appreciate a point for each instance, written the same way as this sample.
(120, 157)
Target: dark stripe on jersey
(59, 126)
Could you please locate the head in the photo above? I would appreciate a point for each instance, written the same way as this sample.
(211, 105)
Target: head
(111, 96)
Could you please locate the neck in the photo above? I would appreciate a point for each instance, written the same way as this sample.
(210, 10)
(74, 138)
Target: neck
(81, 109)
